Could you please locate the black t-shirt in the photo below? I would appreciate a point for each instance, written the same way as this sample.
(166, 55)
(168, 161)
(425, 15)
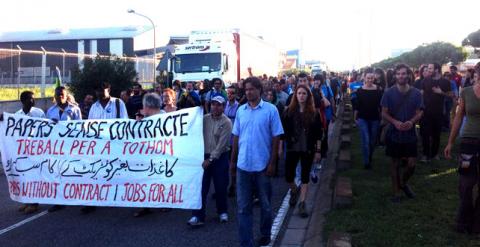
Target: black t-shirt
(434, 103)
(317, 98)
(418, 84)
(241, 97)
(368, 103)
(134, 105)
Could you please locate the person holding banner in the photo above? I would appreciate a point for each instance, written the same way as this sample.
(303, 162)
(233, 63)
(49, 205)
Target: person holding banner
(106, 107)
(257, 130)
(152, 104)
(217, 129)
(28, 109)
(62, 111)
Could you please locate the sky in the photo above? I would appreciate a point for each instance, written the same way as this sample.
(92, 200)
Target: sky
(345, 34)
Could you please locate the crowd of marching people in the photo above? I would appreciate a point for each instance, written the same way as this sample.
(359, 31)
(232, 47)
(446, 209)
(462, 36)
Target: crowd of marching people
(252, 125)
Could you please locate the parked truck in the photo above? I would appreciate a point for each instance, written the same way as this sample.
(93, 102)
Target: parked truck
(224, 54)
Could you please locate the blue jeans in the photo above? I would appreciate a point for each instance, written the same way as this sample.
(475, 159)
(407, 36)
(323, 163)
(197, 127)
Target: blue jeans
(368, 131)
(218, 171)
(247, 182)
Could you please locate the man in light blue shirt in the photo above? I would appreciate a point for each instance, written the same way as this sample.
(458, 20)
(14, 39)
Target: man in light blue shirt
(256, 131)
(62, 111)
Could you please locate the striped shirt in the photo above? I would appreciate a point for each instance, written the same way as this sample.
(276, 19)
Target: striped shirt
(97, 111)
(34, 112)
(71, 112)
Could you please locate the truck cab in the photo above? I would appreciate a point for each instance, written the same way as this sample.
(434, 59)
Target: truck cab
(207, 55)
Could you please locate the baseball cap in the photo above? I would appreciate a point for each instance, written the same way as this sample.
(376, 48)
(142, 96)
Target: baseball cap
(219, 99)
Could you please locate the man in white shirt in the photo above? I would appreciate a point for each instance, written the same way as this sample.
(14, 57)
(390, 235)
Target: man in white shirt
(106, 106)
(28, 109)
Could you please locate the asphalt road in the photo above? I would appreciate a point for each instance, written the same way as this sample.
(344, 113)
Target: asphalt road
(117, 227)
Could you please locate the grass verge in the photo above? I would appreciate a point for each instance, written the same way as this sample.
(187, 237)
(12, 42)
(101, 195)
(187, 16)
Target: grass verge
(427, 220)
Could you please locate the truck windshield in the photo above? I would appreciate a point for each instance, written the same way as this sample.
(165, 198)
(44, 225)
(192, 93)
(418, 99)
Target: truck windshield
(204, 62)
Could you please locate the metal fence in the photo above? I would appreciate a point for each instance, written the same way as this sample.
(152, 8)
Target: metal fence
(28, 68)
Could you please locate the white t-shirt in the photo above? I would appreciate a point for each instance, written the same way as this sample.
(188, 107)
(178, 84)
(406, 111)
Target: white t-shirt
(109, 112)
(34, 112)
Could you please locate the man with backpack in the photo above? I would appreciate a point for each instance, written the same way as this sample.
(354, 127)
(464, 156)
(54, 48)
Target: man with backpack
(106, 107)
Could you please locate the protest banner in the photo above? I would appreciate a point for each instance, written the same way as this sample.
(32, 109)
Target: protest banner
(155, 162)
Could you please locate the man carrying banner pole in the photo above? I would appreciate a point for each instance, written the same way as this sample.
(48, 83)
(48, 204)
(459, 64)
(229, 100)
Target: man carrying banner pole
(28, 109)
(217, 129)
(106, 107)
(152, 105)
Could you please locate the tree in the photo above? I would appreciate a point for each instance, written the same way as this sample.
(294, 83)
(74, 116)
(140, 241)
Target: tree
(438, 52)
(472, 39)
(119, 73)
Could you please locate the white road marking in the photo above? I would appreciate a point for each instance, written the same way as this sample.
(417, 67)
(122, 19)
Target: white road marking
(23, 222)
(278, 221)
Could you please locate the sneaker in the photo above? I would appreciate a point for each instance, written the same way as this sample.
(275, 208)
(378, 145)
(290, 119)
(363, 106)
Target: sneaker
(302, 211)
(264, 241)
(142, 212)
(223, 218)
(195, 221)
(31, 208)
(87, 209)
(55, 208)
(293, 197)
(408, 192)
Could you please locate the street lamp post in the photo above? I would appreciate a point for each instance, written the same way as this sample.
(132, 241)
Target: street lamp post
(131, 11)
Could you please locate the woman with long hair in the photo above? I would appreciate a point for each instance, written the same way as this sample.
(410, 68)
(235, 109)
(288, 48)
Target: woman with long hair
(424, 73)
(367, 115)
(390, 78)
(468, 215)
(271, 97)
(468, 78)
(303, 136)
(380, 79)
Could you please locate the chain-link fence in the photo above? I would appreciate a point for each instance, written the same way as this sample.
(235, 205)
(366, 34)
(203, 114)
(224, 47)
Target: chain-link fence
(38, 70)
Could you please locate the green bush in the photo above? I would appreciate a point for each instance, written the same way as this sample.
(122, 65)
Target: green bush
(119, 73)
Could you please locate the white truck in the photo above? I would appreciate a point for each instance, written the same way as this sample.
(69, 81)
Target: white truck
(318, 68)
(224, 54)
